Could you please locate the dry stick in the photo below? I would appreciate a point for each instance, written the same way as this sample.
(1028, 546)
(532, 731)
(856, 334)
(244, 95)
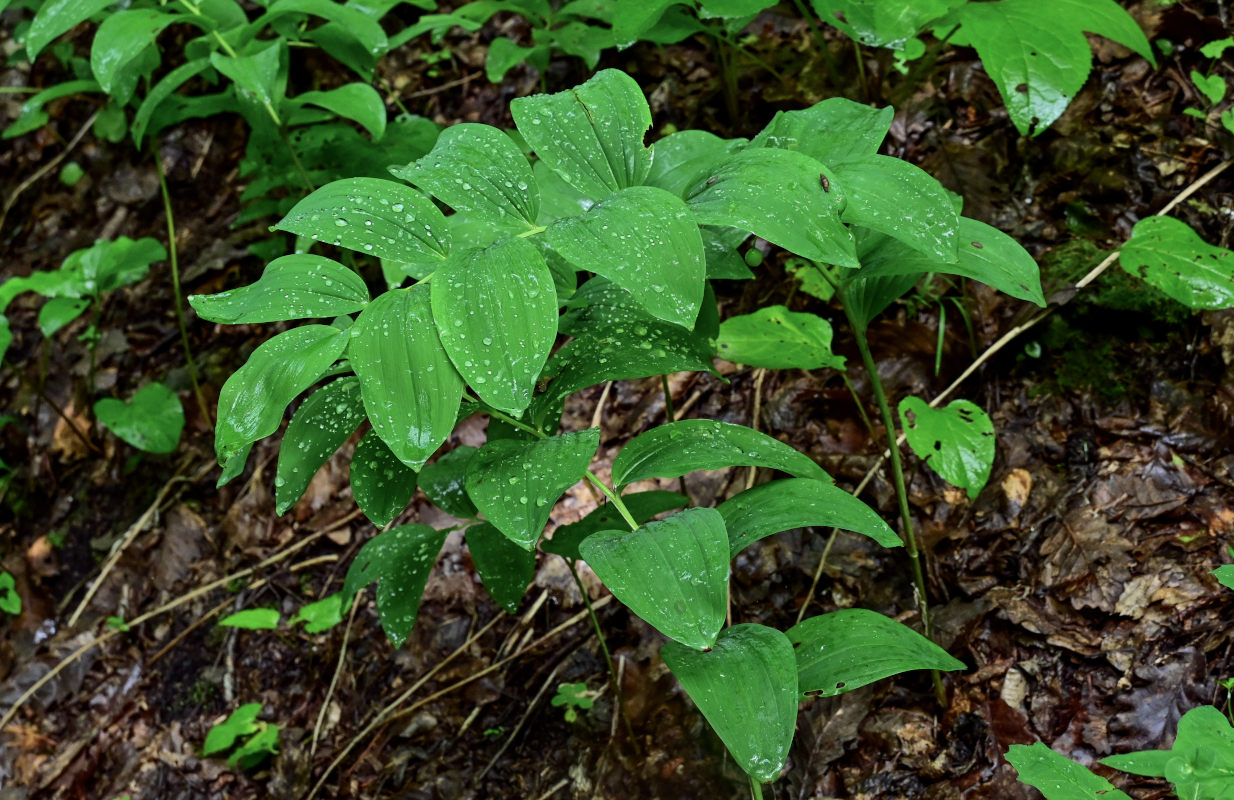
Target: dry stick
(46, 168)
(522, 721)
(338, 670)
(1002, 342)
(760, 374)
(554, 789)
(597, 416)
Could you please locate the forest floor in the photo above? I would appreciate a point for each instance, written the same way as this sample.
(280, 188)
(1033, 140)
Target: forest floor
(1075, 587)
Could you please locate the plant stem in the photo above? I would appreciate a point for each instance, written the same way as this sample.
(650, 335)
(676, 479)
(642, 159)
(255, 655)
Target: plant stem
(608, 657)
(175, 288)
(756, 788)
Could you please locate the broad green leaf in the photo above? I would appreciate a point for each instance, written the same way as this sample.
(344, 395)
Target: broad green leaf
(318, 428)
(252, 401)
(1150, 763)
(381, 484)
(1225, 575)
(672, 450)
(776, 338)
(558, 199)
(151, 421)
(256, 76)
(957, 441)
(411, 390)
(55, 17)
(476, 169)
(641, 505)
(1058, 777)
(746, 687)
(298, 286)
(780, 196)
(1201, 763)
(853, 647)
(10, 600)
(263, 743)
(583, 41)
(504, 567)
(515, 484)
(165, 87)
(723, 260)
(400, 559)
(881, 23)
(252, 619)
(321, 615)
(360, 22)
(799, 503)
(374, 216)
(121, 38)
(1171, 256)
(60, 311)
(357, 102)
(111, 264)
(241, 722)
(899, 199)
(672, 573)
(445, 482)
(633, 18)
(835, 132)
(504, 54)
(496, 314)
(682, 159)
(644, 240)
(591, 135)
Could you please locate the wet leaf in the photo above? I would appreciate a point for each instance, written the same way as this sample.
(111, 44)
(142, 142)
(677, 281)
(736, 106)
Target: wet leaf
(672, 450)
(641, 505)
(504, 567)
(957, 441)
(746, 687)
(881, 23)
(1171, 256)
(318, 428)
(151, 420)
(835, 132)
(299, 286)
(903, 201)
(257, 76)
(445, 482)
(381, 484)
(357, 102)
(252, 619)
(400, 560)
(673, 573)
(120, 39)
(1058, 777)
(55, 17)
(776, 338)
(682, 159)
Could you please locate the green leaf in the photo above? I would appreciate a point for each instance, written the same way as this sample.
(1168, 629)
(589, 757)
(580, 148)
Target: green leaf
(591, 135)
(853, 647)
(1171, 256)
(253, 399)
(1225, 575)
(298, 286)
(10, 600)
(1058, 777)
(496, 314)
(746, 687)
(835, 132)
(672, 573)
(1201, 763)
(357, 102)
(55, 17)
(881, 23)
(515, 484)
(121, 38)
(6, 336)
(583, 41)
(400, 559)
(682, 159)
(374, 216)
(252, 619)
(381, 484)
(1212, 86)
(957, 441)
(776, 338)
(241, 722)
(504, 567)
(165, 87)
(641, 505)
(411, 390)
(672, 450)
(778, 195)
(903, 201)
(445, 482)
(360, 22)
(318, 428)
(256, 75)
(32, 116)
(1150, 763)
(478, 170)
(150, 421)
(260, 745)
(504, 54)
(321, 615)
(799, 503)
(60, 311)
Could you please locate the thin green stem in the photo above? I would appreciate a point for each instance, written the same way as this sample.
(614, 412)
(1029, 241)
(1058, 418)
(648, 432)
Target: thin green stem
(669, 414)
(608, 657)
(19, 90)
(756, 788)
(291, 151)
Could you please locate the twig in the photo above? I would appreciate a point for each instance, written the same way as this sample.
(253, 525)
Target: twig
(443, 87)
(338, 670)
(522, 721)
(597, 416)
(760, 374)
(46, 168)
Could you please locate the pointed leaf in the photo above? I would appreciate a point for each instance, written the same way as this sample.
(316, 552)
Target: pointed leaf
(252, 619)
(381, 484)
(121, 38)
(297, 286)
(835, 132)
(1225, 575)
(256, 75)
(746, 687)
(672, 573)
(318, 428)
(641, 505)
(496, 313)
(673, 450)
(445, 482)
(241, 722)
(151, 421)
(400, 559)
(776, 338)
(644, 240)
(1058, 777)
(903, 201)
(957, 441)
(357, 102)
(1171, 256)
(504, 567)
(411, 390)
(55, 17)
(60, 311)
(682, 159)
(515, 484)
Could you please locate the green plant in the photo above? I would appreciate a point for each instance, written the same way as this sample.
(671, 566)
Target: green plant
(1213, 86)
(10, 600)
(573, 697)
(252, 619)
(252, 739)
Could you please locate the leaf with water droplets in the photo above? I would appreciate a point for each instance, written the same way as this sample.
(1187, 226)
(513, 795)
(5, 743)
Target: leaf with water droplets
(746, 687)
(252, 401)
(799, 503)
(672, 573)
(55, 17)
(591, 135)
(682, 159)
(1058, 777)
(400, 560)
(644, 240)
(641, 505)
(1171, 256)
(515, 484)
(781, 196)
(374, 216)
(257, 76)
(504, 567)
(496, 313)
(445, 482)
(478, 170)
(957, 441)
(381, 484)
(318, 428)
(411, 390)
(120, 39)
(902, 200)
(298, 286)
(672, 450)
(776, 338)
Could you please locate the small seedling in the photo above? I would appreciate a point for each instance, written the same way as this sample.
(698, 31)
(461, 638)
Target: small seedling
(574, 697)
(253, 740)
(10, 600)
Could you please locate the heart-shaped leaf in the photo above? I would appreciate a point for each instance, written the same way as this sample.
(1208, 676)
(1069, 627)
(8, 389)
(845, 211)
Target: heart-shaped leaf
(504, 567)
(641, 505)
(902, 200)
(150, 421)
(957, 441)
(673, 572)
(298, 286)
(445, 482)
(1058, 777)
(318, 428)
(746, 687)
(1171, 256)
(1212, 87)
(381, 484)
(776, 338)
(400, 559)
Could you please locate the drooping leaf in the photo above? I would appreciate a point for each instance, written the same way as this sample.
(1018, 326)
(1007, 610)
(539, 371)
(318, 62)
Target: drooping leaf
(799, 503)
(445, 482)
(1171, 256)
(33, 116)
(957, 441)
(359, 21)
(151, 421)
(504, 567)
(318, 428)
(515, 484)
(381, 484)
(835, 132)
(881, 23)
(776, 338)
(641, 505)
(672, 450)
(504, 54)
(684, 158)
(55, 17)
(122, 36)
(902, 200)
(298, 286)
(673, 573)
(400, 560)
(1058, 777)
(60, 311)
(746, 687)
(411, 390)
(496, 313)
(357, 102)
(252, 619)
